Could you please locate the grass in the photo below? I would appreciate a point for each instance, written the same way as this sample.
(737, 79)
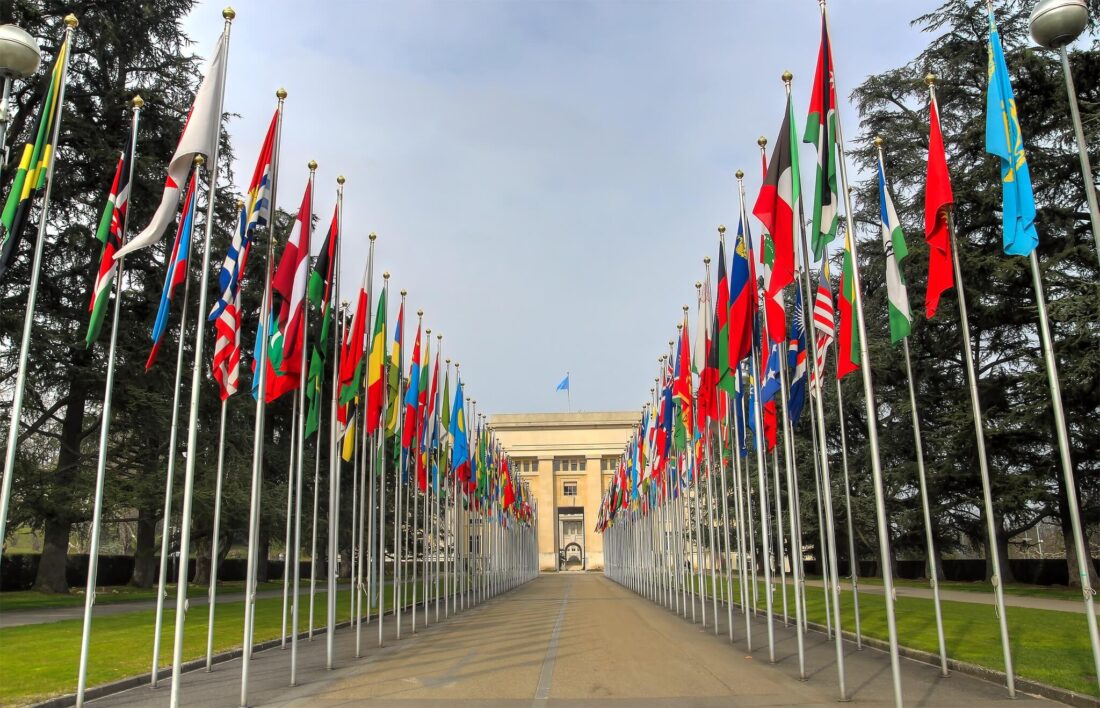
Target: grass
(1048, 646)
(1054, 592)
(109, 595)
(40, 660)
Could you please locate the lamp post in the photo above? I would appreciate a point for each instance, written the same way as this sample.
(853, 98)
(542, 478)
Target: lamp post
(19, 58)
(1055, 24)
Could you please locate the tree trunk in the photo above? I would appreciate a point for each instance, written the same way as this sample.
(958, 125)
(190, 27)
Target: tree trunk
(202, 561)
(1075, 571)
(261, 561)
(55, 553)
(1002, 549)
(145, 561)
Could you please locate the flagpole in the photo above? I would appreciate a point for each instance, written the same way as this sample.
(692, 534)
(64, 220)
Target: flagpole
(853, 559)
(260, 376)
(105, 422)
(32, 296)
(196, 392)
(288, 526)
(882, 523)
(365, 466)
(169, 480)
(381, 508)
(212, 590)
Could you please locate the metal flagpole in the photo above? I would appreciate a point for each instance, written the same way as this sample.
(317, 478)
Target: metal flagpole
(853, 559)
(301, 433)
(882, 523)
(32, 293)
(381, 510)
(368, 458)
(448, 536)
(105, 420)
(212, 591)
(983, 464)
(710, 505)
(169, 480)
(294, 416)
(793, 511)
(196, 394)
(358, 463)
(260, 374)
(743, 543)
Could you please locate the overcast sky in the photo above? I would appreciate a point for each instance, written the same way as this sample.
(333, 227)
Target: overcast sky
(545, 177)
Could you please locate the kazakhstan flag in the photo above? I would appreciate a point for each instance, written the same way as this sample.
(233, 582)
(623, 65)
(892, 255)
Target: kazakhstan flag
(1003, 139)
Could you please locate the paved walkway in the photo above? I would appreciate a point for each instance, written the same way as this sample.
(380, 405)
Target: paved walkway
(980, 598)
(571, 640)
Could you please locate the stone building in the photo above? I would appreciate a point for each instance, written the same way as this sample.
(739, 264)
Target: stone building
(568, 460)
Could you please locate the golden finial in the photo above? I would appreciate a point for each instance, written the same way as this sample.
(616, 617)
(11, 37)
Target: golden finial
(199, 160)
(930, 79)
(372, 235)
(404, 292)
(721, 228)
(706, 260)
(386, 275)
(686, 307)
(240, 203)
(448, 360)
(739, 174)
(698, 286)
(878, 141)
(670, 342)
(312, 165)
(280, 93)
(229, 14)
(428, 332)
(420, 313)
(71, 21)
(787, 77)
(439, 337)
(340, 180)
(137, 101)
(762, 141)
(679, 326)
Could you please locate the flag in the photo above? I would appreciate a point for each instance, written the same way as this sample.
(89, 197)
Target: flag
(200, 136)
(824, 324)
(707, 394)
(893, 243)
(742, 298)
(351, 359)
(796, 360)
(847, 353)
(770, 385)
(564, 385)
(290, 284)
(460, 455)
(227, 326)
(412, 395)
(721, 343)
(320, 293)
(376, 381)
(775, 207)
(30, 175)
(109, 234)
(938, 199)
(320, 277)
(393, 381)
(821, 130)
(255, 212)
(1004, 139)
(682, 386)
(177, 270)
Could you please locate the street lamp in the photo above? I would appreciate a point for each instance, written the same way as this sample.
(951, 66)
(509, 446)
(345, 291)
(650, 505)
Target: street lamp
(1055, 24)
(19, 58)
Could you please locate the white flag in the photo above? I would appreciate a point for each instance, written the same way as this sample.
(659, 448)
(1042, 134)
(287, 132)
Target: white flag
(200, 135)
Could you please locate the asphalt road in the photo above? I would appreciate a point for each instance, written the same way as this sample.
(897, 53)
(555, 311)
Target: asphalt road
(570, 640)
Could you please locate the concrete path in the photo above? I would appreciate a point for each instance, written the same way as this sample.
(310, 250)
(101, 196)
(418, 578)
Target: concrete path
(980, 598)
(572, 640)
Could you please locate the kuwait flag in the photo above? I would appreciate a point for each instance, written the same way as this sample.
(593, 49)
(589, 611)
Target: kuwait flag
(893, 243)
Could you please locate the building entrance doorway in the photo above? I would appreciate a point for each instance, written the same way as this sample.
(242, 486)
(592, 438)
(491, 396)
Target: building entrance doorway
(571, 539)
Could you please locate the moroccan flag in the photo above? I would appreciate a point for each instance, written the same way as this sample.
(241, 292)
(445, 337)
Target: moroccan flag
(376, 382)
(177, 270)
(351, 359)
(290, 282)
(821, 131)
(30, 175)
(893, 243)
(847, 351)
(742, 298)
(938, 200)
(393, 381)
(109, 234)
(412, 395)
(775, 207)
(721, 344)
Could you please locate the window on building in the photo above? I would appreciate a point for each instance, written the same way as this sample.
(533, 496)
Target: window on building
(569, 464)
(526, 464)
(609, 464)
(569, 489)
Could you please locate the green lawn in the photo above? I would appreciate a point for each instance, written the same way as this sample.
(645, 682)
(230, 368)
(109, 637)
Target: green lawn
(39, 661)
(108, 595)
(1055, 592)
(1048, 646)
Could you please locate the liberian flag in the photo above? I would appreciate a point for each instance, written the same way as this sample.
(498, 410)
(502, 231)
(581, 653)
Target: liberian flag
(199, 137)
(109, 234)
(290, 283)
(893, 243)
(177, 270)
(824, 324)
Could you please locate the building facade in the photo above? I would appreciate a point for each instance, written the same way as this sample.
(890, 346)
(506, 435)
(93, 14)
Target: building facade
(568, 460)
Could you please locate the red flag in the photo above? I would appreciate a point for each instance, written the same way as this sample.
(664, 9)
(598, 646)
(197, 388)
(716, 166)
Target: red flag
(775, 209)
(290, 282)
(937, 200)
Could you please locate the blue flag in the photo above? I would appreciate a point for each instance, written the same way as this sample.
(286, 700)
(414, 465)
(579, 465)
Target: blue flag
(564, 385)
(1004, 139)
(796, 360)
(770, 385)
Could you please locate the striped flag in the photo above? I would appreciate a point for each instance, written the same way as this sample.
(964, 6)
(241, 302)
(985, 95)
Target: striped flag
(177, 270)
(109, 234)
(824, 323)
(893, 242)
(847, 353)
(227, 326)
(290, 283)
